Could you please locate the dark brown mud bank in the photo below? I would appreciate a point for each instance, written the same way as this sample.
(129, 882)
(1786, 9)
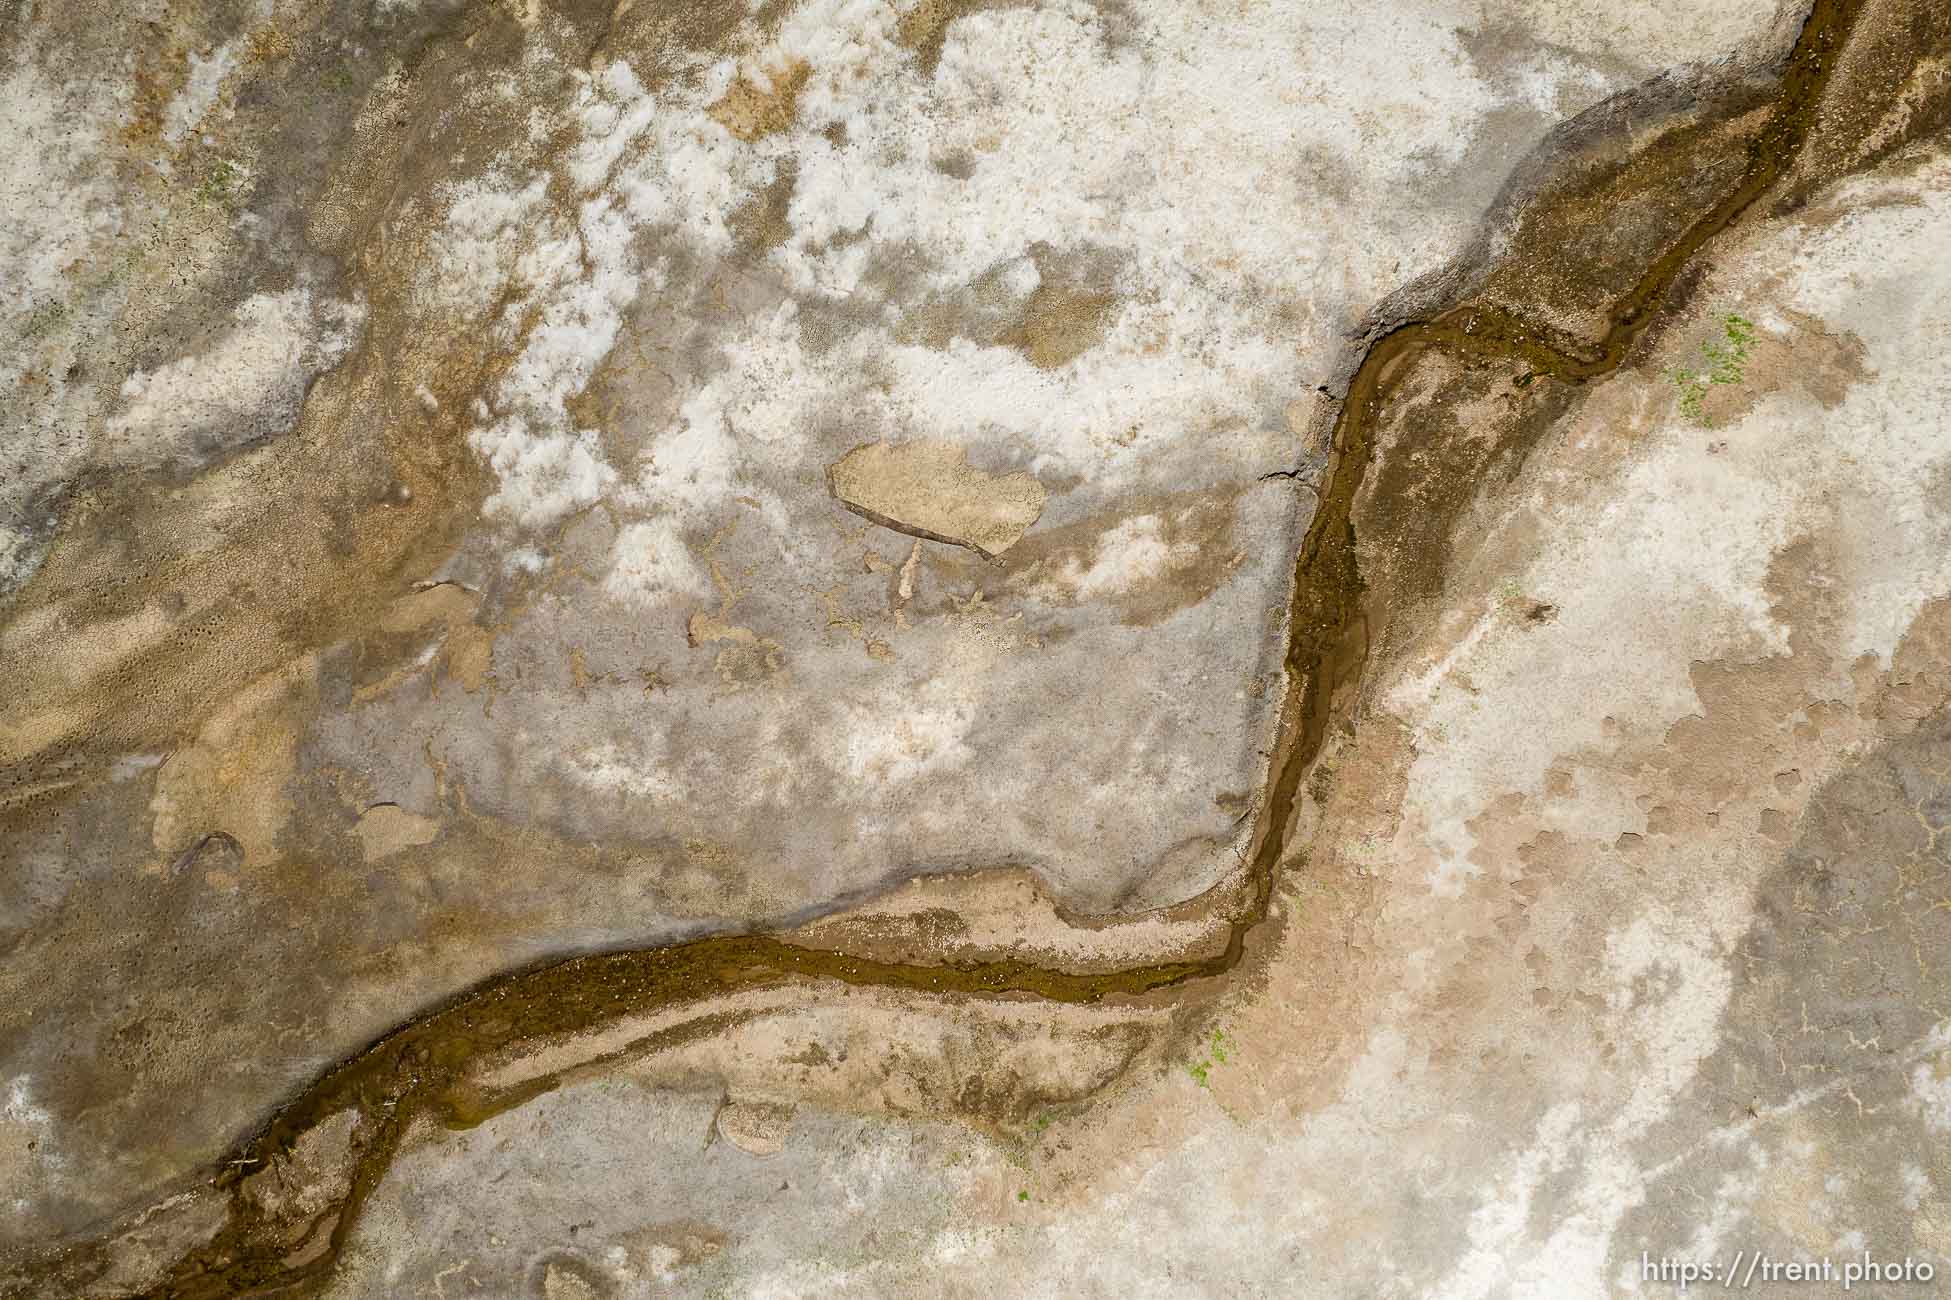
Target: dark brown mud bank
(418, 1071)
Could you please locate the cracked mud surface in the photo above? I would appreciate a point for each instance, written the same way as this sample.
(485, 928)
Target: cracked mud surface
(1343, 752)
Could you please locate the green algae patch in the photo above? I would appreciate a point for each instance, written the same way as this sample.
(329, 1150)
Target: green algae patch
(1723, 361)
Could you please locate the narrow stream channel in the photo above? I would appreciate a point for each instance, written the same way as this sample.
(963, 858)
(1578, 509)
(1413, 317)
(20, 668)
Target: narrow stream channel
(415, 1070)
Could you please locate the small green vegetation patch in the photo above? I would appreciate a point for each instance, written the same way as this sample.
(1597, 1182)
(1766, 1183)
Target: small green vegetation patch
(1724, 362)
(1218, 1049)
(220, 182)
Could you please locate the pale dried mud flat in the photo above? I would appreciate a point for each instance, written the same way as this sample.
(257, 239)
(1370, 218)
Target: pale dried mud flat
(658, 649)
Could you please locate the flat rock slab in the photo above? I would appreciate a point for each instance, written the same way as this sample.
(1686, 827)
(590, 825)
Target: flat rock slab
(929, 489)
